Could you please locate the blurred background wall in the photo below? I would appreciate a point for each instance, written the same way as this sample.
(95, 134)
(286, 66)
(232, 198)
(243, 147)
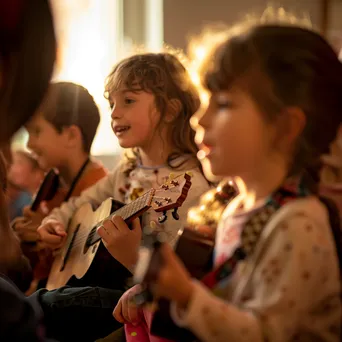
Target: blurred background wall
(94, 34)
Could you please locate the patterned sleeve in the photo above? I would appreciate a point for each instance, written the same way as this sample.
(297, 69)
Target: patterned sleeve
(294, 289)
(95, 195)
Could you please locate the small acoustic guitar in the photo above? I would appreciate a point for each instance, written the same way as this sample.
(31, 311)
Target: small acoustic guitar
(82, 244)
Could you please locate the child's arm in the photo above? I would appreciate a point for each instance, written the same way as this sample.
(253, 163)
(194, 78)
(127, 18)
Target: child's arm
(95, 195)
(294, 285)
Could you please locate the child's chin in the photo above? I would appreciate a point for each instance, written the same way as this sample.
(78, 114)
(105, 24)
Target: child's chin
(125, 144)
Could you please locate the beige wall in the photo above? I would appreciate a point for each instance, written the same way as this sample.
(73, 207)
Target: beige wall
(183, 18)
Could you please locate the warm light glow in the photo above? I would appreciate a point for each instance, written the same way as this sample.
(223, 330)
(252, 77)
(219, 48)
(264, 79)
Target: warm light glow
(199, 135)
(194, 122)
(195, 78)
(193, 217)
(200, 155)
(200, 52)
(209, 196)
(90, 35)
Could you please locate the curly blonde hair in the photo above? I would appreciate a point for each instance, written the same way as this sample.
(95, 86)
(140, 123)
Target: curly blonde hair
(164, 76)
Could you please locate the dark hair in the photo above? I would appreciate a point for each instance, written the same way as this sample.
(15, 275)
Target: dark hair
(163, 75)
(70, 104)
(27, 55)
(285, 66)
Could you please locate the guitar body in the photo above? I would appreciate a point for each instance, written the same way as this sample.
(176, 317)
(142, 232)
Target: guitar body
(195, 248)
(78, 261)
(74, 264)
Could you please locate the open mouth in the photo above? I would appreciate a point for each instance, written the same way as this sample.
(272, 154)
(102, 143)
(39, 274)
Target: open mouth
(118, 130)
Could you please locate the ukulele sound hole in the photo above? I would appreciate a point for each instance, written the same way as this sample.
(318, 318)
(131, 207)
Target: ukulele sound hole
(91, 240)
(67, 254)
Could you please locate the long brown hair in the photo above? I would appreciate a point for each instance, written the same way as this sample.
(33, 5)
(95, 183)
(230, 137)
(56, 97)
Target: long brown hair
(282, 66)
(163, 75)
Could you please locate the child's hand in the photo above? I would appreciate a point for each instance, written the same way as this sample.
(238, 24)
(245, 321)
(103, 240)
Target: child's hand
(121, 242)
(26, 226)
(52, 234)
(126, 311)
(26, 229)
(174, 281)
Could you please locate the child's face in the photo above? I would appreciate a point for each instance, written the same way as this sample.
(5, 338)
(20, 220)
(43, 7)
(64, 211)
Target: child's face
(237, 140)
(49, 146)
(134, 118)
(21, 172)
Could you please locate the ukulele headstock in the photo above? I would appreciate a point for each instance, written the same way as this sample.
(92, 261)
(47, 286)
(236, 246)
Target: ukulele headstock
(47, 189)
(171, 195)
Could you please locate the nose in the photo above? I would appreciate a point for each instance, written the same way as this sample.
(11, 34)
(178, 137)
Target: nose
(201, 118)
(116, 113)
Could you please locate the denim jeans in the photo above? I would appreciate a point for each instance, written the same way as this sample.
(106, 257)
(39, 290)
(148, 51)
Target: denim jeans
(78, 314)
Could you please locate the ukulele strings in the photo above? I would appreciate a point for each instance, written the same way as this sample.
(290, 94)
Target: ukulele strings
(79, 239)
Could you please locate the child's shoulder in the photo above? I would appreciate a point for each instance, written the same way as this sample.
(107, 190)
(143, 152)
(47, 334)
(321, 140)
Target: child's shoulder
(300, 221)
(309, 208)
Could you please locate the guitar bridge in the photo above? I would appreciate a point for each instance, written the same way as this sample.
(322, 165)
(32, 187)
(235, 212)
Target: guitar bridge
(67, 254)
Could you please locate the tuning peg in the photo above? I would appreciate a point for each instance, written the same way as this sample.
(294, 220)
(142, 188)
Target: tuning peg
(175, 214)
(172, 175)
(189, 173)
(163, 217)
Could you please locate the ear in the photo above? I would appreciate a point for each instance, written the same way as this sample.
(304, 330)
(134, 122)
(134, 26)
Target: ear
(292, 123)
(73, 136)
(174, 107)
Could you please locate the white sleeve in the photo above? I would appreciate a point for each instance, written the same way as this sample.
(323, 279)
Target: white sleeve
(295, 287)
(95, 195)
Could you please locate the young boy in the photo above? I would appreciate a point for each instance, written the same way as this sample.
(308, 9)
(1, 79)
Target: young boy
(60, 136)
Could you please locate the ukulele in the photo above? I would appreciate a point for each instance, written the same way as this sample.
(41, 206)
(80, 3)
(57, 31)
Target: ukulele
(46, 192)
(194, 247)
(76, 256)
(47, 189)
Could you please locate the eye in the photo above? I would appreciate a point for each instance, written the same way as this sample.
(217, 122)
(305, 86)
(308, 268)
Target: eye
(129, 100)
(224, 105)
(111, 105)
(35, 131)
(223, 102)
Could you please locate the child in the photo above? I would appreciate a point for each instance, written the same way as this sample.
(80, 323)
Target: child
(60, 136)
(24, 178)
(331, 172)
(25, 172)
(271, 89)
(152, 99)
